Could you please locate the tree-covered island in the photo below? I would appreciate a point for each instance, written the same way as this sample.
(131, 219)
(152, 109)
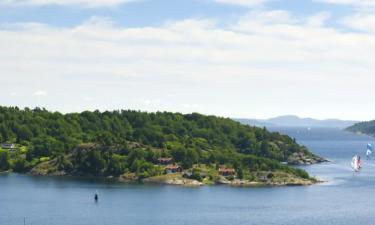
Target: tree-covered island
(366, 127)
(162, 147)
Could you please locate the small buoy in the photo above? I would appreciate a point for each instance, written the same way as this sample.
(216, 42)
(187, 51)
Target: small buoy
(96, 197)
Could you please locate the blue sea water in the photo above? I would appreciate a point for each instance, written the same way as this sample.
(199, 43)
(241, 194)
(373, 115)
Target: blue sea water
(346, 198)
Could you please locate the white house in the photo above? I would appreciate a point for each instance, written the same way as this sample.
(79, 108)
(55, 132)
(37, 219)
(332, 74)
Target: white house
(8, 146)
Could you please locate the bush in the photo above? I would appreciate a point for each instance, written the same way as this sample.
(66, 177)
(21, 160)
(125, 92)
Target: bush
(4, 160)
(301, 173)
(20, 165)
(231, 177)
(117, 164)
(44, 159)
(196, 175)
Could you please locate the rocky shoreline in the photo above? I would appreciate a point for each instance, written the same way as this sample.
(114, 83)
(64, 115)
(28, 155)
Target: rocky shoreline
(177, 180)
(300, 159)
(173, 179)
(260, 178)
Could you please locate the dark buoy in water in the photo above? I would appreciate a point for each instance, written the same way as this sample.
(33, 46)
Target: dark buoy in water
(96, 197)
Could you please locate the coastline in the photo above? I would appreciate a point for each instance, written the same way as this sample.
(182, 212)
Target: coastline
(177, 179)
(5, 172)
(256, 179)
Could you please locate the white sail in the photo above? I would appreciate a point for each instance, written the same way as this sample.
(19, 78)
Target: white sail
(355, 163)
(369, 150)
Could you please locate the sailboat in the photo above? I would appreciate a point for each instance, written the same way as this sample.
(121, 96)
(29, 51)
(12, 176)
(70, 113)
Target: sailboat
(356, 163)
(369, 150)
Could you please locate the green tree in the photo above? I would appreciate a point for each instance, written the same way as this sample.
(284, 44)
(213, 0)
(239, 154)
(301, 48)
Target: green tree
(94, 163)
(117, 164)
(20, 165)
(240, 174)
(45, 146)
(4, 160)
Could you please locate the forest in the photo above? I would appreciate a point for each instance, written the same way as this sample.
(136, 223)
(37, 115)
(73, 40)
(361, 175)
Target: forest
(112, 143)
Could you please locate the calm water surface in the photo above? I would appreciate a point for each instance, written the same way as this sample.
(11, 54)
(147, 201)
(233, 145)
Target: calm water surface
(346, 198)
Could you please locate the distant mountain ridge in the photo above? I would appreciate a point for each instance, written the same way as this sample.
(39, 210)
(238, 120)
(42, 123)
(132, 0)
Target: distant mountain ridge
(295, 121)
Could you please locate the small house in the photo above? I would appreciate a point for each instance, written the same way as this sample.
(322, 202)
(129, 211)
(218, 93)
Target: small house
(164, 161)
(223, 171)
(8, 146)
(173, 168)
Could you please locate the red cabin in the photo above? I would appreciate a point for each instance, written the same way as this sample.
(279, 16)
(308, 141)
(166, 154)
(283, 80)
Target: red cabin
(226, 171)
(173, 168)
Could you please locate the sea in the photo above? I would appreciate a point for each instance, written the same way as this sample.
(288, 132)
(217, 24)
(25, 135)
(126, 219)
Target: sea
(345, 198)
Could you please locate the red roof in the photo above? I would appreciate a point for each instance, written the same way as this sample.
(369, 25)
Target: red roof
(226, 170)
(164, 159)
(172, 167)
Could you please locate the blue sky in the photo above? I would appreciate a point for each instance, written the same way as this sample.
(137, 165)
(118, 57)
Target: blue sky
(156, 12)
(235, 58)
(143, 13)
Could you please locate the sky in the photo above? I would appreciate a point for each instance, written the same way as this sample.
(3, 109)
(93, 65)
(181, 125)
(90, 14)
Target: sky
(231, 58)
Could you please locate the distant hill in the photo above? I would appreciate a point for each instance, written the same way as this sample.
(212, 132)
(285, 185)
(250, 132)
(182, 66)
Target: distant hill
(295, 121)
(255, 122)
(367, 127)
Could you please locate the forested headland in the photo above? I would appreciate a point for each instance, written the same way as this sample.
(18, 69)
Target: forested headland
(130, 144)
(367, 127)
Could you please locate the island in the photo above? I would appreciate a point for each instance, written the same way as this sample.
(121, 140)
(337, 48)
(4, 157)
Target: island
(161, 147)
(366, 127)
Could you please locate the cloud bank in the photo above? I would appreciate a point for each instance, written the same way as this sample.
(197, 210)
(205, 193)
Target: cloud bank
(264, 64)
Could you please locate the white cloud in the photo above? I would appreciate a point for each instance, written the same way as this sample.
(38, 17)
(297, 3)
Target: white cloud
(318, 19)
(40, 93)
(246, 3)
(85, 3)
(267, 63)
(256, 21)
(363, 22)
(269, 17)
